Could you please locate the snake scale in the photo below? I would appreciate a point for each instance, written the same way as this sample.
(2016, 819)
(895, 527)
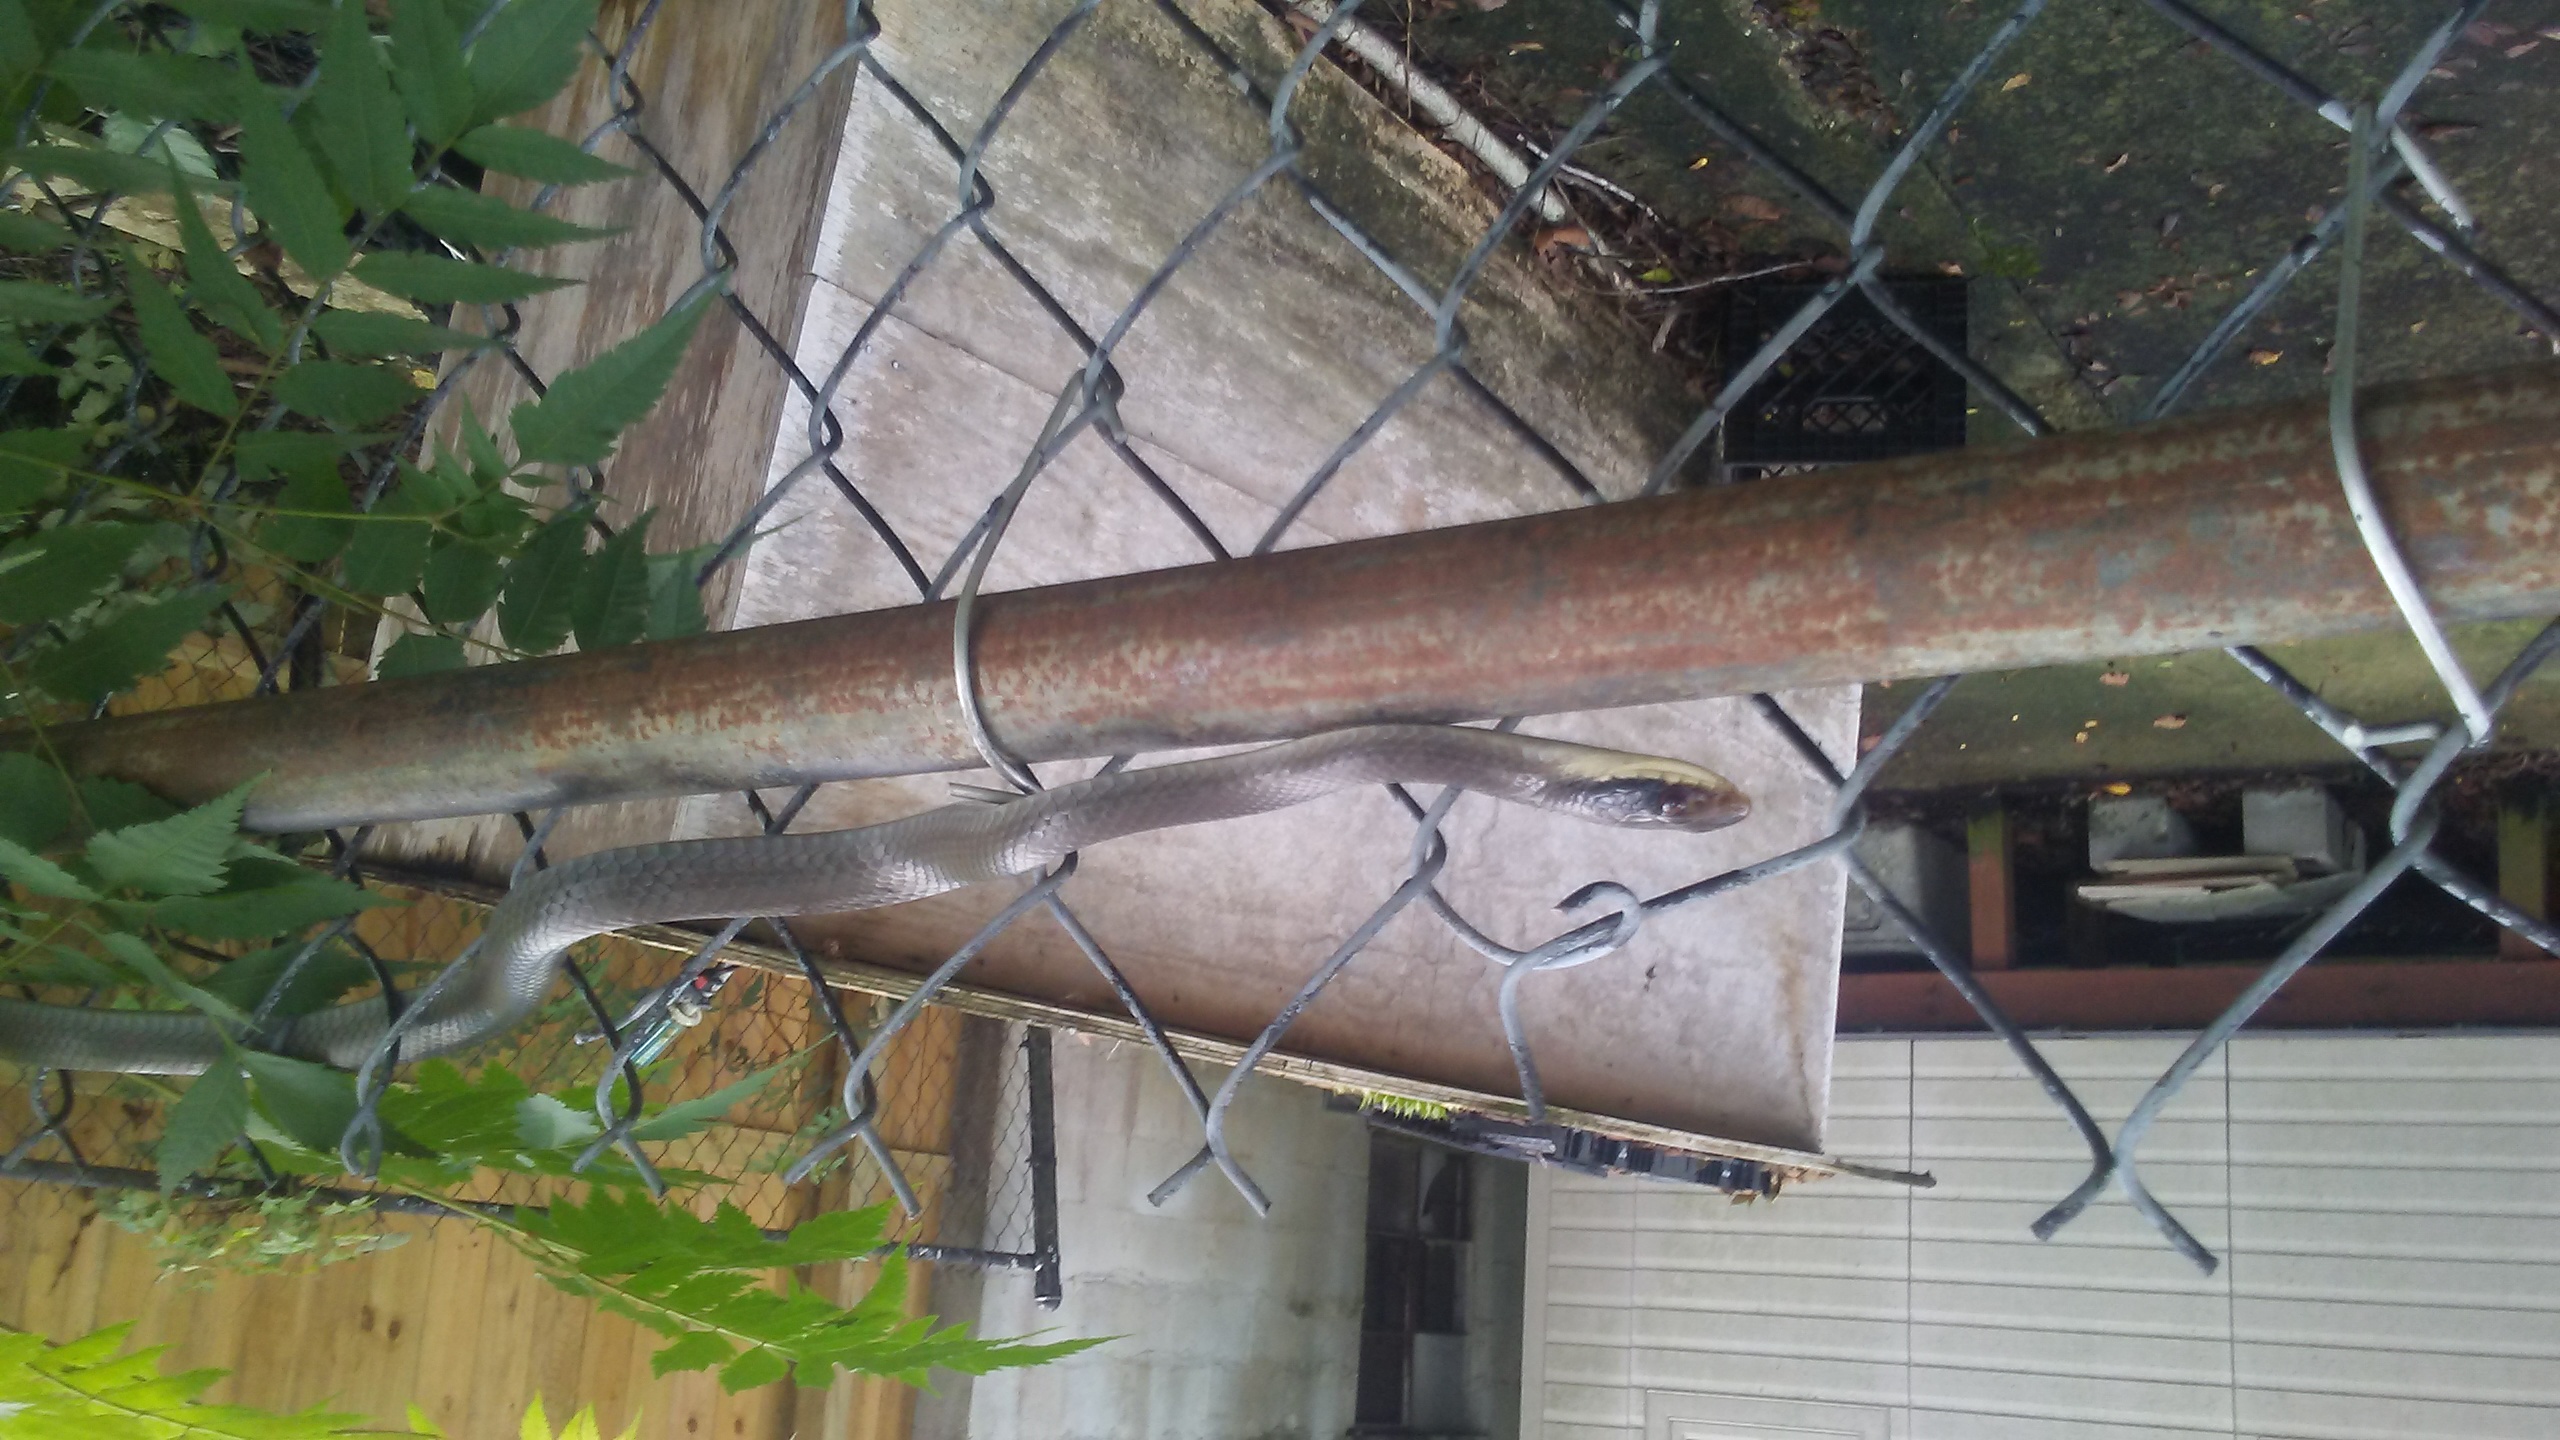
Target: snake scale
(908, 859)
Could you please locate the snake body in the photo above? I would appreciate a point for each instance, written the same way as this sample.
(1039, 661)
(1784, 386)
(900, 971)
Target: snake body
(908, 859)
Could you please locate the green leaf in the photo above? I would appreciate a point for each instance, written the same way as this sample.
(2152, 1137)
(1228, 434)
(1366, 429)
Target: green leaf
(434, 280)
(116, 804)
(427, 65)
(309, 463)
(48, 304)
(331, 972)
(174, 144)
(577, 422)
(535, 155)
(535, 613)
(167, 86)
(306, 537)
(683, 1276)
(89, 1390)
(286, 452)
(286, 189)
(33, 464)
(698, 1350)
(30, 236)
(214, 283)
(467, 217)
(53, 572)
(462, 581)
(675, 601)
(613, 600)
(544, 1122)
(39, 875)
(687, 1116)
(134, 952)
(753, 1368)
(488, 467)
(420, 654)
(480, 1122)
(360, 129)
(370, 332)
(267, 17)
(388, 552)
(21, 48)
(311, 1103)
(343, 393)
(175, 351)
(271, 910)
(96, 171)
(111, 655)
(185, 854)
(526, 54)
(203, 1123)
(35, 803)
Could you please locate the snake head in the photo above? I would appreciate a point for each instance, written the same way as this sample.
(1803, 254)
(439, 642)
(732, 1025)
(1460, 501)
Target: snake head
(1654, 794)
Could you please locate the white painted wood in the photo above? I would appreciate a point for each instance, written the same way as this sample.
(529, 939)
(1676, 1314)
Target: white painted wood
(1673, 1415)
(2388, 1210)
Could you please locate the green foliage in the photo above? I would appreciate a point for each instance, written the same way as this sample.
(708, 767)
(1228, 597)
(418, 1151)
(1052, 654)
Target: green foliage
(126, 643)
(527, 53)
(181, 417)
(92, 1390)
(204, 1122)
(535, 155)
(197, 1240)
(701, 1285)
(1410, 1109)
(576, 421)
(468, 218)
(434, 280)
(581, 1426)
(286, 189)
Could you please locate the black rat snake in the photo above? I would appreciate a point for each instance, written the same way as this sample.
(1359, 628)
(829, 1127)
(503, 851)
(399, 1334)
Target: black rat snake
(944, 849)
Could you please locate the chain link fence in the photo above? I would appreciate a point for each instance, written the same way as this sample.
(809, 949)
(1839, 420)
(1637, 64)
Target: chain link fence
(2389, 176)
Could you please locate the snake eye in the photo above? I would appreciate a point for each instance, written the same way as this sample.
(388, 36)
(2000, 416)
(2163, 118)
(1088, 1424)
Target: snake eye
(1700, 807)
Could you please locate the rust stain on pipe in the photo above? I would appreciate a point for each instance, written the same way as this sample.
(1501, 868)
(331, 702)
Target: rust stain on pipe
(2187, 535)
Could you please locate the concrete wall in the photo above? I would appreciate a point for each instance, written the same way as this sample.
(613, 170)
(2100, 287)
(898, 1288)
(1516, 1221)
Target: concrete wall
(1232, 1327)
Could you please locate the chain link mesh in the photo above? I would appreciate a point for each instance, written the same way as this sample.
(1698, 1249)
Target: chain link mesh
(783, 1138)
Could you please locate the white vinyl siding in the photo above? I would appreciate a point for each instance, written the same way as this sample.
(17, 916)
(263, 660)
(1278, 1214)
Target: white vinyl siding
(2387, 1209)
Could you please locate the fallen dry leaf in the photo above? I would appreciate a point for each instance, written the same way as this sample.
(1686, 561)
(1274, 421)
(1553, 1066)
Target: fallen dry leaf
(2265, 357)
(2170, 722)
(1526, 47)
(2015, 81)
(1702, 162)
(2115, 677)
(2443, 129)
(2119, 162)
(1551, 244)
(2116, 788)
(1752, 207)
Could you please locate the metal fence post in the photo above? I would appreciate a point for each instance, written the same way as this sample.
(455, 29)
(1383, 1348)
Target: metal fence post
(1048, 1286)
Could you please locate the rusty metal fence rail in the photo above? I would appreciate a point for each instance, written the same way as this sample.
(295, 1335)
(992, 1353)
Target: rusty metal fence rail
(2389, 169)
